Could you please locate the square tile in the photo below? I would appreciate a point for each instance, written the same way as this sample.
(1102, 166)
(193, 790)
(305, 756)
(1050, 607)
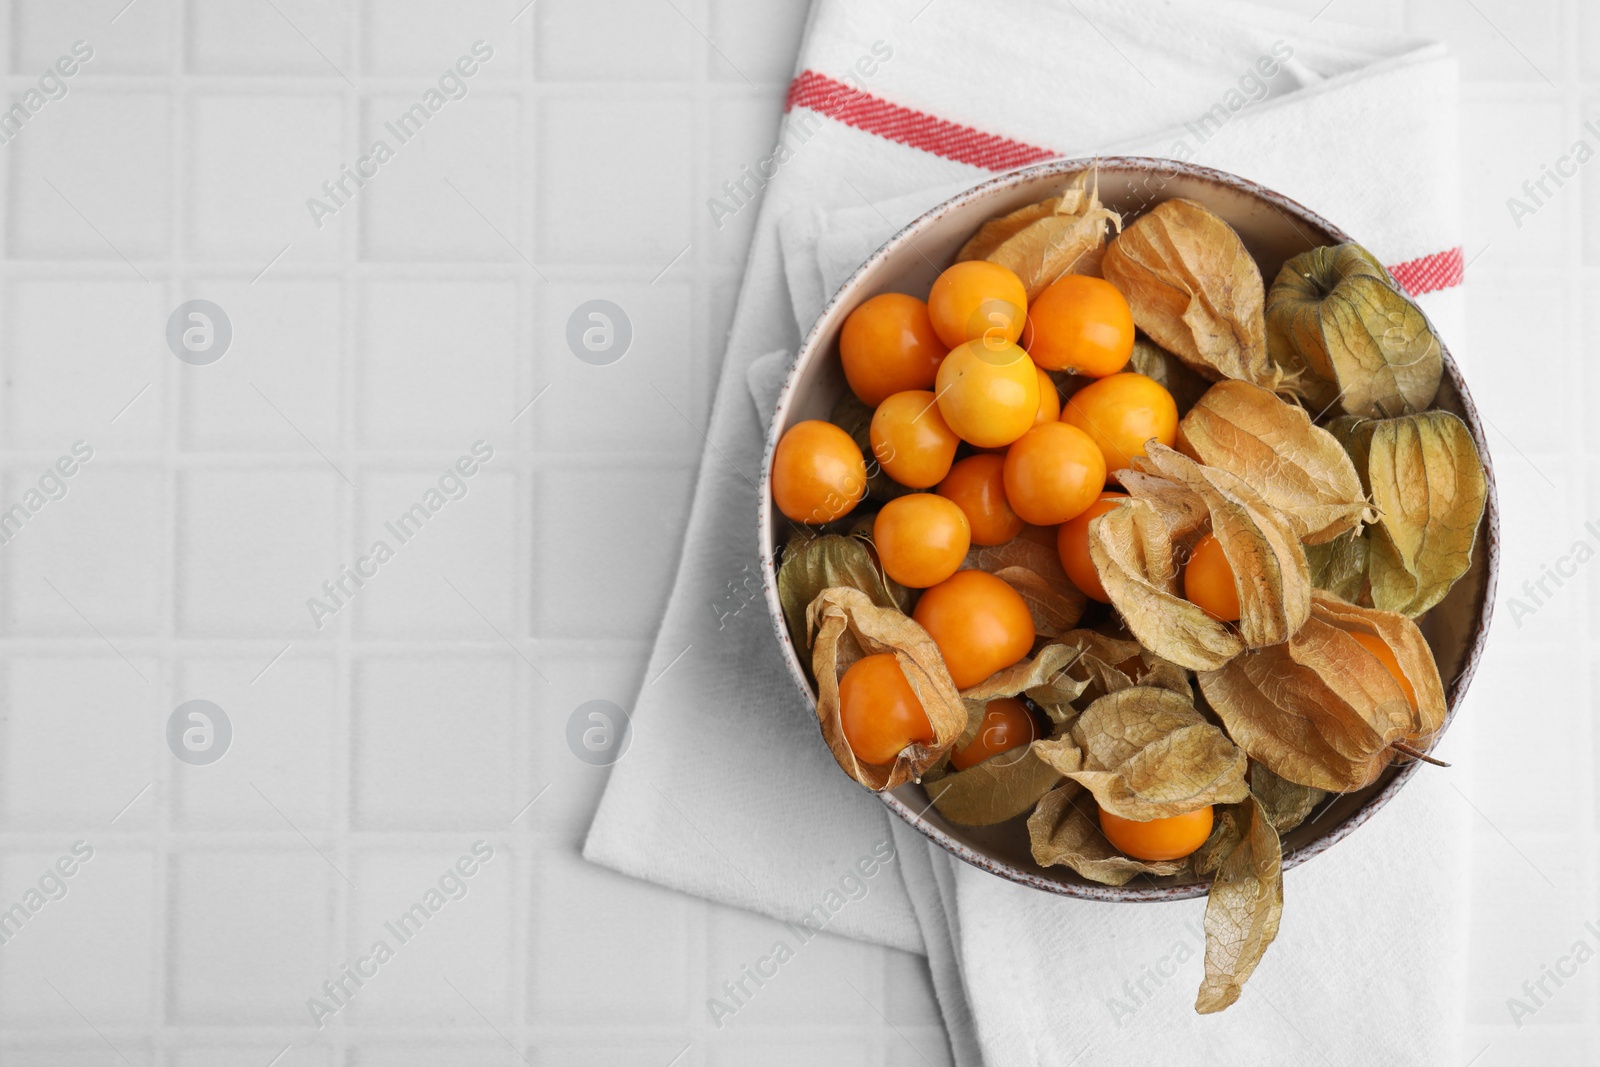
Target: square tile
(452, 190)
(606, 1050)
(253, 547)
(303, 37)
(103, 544)
(438, 362)
(132, 40)
(1496, 40)
(454, 562)
(250, 936)
(92, 934)
(428, 39)
(613, 40)
(432, 742)
(802, 1051)
(444, 927)
(1374, 13)
(1504, 145)
(758, 43)
(1538, 526)
(287, 350)
(299, 1055)
(613, 673)
(1588, 31)
(77, 352)
(280, 767)
(1536, 422)
(90, 180)
(458, 1053)
(593, 205)
(760, 972)
(1587, 189)
(69, 763)
(640, 402)
(595, 576)
(88, 1052)
(635, 947)
(258, 164)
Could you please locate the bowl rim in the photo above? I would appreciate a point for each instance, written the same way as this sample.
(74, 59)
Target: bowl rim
(1291, 209)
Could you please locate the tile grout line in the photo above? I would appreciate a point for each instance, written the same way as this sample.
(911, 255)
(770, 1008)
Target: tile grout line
(171, 401)
(525, 873)
(344, 770)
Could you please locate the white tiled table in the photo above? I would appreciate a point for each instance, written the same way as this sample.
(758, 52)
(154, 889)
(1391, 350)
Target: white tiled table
(424, 716)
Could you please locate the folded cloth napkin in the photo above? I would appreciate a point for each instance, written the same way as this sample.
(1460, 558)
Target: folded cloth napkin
(726, 791)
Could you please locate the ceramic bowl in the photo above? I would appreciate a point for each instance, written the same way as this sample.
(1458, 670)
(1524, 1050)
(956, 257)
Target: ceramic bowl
(1273, 228)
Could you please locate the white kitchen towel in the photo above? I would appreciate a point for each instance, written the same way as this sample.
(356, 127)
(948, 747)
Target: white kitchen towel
(726, 792)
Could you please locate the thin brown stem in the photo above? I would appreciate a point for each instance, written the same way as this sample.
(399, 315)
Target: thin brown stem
(1406, 750)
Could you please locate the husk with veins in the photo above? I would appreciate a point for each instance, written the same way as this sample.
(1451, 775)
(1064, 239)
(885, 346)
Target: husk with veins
(1320, 709)
(1244, 907)
(1064, 829)
(1354, 338)
(1340, 566)
(1287, 804)
(1146, 753)
(1195, 290)
(844, 625)
(1428, 483)
(1079, 666)
(1138, 548)
(1002, 787)
(1065, 234)
(1074, 672)
(1137, 561)
(1297, 467)
(1269, 564)
(814, 562)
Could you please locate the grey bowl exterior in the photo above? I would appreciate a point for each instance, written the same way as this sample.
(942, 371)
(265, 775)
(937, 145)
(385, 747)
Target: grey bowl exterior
(1273, 228)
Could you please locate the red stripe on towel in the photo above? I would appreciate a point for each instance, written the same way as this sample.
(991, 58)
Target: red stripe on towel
(1428, 273)
(919, 130)
(928, 133)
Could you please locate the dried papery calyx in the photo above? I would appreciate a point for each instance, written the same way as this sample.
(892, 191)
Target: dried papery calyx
(1340, 325)
(1146, 753)
(1137, 548)
(1195, 289)
(1064, 829)
(1297, 467)
(827, 561)
(1287, 804)
(1340, 566)
(1065, 234)
(1137, 562)
(1245, 904)
(1323, 709)
(845, 626)
(1075, 671)
(1008, 783)
(1429, 487)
